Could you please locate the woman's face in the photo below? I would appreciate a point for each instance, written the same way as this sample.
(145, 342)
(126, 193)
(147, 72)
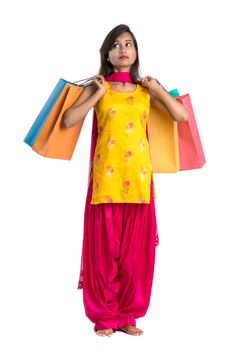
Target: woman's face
(123, 46)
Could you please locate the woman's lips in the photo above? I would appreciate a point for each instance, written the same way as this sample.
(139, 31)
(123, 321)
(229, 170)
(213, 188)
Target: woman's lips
(123, 57)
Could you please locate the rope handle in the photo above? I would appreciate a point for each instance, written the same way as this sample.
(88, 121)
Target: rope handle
(86, 81)
(89, 81)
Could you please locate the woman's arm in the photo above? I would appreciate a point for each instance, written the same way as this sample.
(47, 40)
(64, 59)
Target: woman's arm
(88, 98)
(175, 108)
(78, 111)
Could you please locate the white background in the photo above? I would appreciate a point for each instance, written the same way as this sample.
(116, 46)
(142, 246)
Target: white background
(185, 45)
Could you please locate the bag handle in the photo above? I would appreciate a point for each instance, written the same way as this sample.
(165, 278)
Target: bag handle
(86, 81)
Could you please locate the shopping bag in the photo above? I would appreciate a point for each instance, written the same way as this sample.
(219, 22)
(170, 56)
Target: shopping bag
(47, 136)
(174, 145)
(191, 152)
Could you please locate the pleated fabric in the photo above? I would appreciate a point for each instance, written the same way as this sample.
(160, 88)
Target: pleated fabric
(117, 262)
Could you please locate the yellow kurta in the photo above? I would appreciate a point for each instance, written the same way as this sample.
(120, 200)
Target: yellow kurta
(122, 169)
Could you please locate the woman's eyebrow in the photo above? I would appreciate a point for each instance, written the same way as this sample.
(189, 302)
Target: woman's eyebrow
(117, 41)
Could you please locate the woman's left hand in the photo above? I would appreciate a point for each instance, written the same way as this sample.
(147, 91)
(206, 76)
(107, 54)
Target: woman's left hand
(151, 84)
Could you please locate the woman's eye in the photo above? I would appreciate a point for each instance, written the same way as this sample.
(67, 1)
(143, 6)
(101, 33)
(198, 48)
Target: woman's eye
(118, 44)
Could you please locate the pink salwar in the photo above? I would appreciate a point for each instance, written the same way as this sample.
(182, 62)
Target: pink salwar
(118, 259)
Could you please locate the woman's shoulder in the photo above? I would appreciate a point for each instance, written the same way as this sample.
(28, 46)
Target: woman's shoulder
(141, 87)
(143, 90)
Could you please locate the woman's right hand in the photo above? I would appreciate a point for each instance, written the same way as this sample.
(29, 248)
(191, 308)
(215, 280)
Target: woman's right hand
(99, 81)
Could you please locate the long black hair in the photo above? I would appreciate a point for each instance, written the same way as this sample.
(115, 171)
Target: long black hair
(106, 67)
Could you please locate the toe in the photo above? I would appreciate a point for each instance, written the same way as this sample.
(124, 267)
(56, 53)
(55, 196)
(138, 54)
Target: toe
(104, 332)
(132, 330)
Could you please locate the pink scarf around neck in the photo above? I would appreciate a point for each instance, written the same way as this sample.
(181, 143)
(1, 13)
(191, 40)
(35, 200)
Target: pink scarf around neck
(119, 76)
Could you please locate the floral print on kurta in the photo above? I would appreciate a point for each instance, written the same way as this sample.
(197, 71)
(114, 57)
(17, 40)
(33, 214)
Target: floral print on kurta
(122, 170)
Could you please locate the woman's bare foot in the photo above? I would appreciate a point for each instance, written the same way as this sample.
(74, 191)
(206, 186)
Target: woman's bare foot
(132, 330)
(104, 332)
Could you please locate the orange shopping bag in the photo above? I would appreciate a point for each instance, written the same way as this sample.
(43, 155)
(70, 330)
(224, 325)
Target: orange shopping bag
(47, 136)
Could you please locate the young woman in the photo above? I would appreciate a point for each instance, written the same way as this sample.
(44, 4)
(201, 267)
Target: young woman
(120, 227)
